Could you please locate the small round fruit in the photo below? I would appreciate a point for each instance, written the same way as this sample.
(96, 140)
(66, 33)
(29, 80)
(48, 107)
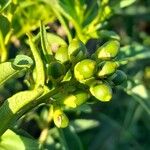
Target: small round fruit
(81, 97)
(107, 68)
(60, 119)
(62, 54)
(70, 101)
(118, 77)
(101, 91)
(56, 69)
(108, 50)
(76, 50)
(84, 69)
(76, 99)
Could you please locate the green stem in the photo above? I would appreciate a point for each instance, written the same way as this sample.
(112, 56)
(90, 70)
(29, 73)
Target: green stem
(62, 139)
(39, 66)
(61, 20)
(5, 6)
(3, 50)
(44, 133)
(132, 107)
(14, 107)
(44, 43)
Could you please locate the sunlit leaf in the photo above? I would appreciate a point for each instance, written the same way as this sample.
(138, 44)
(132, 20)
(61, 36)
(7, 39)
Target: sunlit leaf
(11, 140)
(14, 107)
(4, 25)
(84, 124)
(11, 69)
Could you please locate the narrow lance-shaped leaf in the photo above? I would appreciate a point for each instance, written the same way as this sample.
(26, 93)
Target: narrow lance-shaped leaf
(4, 25)
(4, 30)
(69, 139)
(126, 3)
(15, 106)
(44, 43)
(3, 50)
(4, 4)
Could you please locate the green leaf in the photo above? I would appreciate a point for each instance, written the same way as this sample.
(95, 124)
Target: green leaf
(55, 39)
(11, 70)
(67, 8)
(14, 107)
(144, 103)
(143, 91)
(81, 125)
(4, 30)
(90, 13)
(44, 43)
(22, 61)
(3, 50)
(27, 15)
(105, 34)
(4, 25)
(111, 131)
(69, 139)
(4, 4)
(7, 72)
(11, 140)
(126, 3)
(133, 52)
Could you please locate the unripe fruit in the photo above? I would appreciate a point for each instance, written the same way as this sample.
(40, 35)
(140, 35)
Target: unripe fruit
(70, 101)
(101, 91)
(118, 77)
(82, 97)
(77, 50)
(106, 69)
(84, 69)
(76, 99)
(60, 119)
(62, 54)
(56, 70)
(108, 50)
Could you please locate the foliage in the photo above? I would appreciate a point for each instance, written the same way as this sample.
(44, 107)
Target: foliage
(60, 60)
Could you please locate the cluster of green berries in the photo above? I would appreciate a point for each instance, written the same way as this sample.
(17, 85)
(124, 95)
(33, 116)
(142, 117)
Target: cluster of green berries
(84, 76)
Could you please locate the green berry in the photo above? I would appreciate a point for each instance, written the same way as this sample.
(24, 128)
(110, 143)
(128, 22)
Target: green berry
(56, 70)
(107, 68)
(82, 97)
(118, 77)
(60, 119)
(101, 91)
(77, 50)
(62, 54)
(76, 99)
(70, 101)
(108, 50)
(84, 69)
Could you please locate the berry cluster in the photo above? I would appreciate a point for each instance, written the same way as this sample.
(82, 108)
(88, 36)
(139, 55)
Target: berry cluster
(82, 76)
